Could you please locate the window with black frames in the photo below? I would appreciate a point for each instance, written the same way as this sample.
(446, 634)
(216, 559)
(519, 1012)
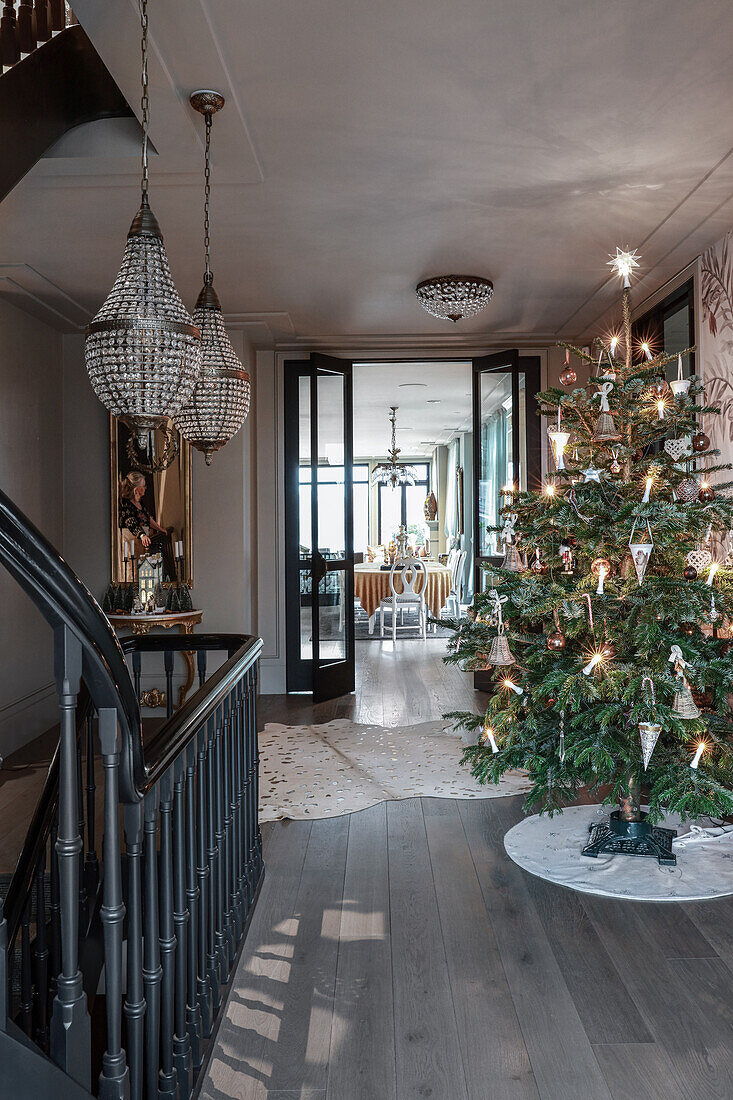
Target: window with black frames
(669, 326)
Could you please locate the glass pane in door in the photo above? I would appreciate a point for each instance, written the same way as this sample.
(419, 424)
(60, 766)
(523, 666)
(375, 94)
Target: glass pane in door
(331, 482)
(332, 612)
(496, 468)
(305, 535)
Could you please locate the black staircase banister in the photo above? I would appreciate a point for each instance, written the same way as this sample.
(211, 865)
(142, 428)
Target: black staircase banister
(38, 831)
(64, 600)
(176, 733)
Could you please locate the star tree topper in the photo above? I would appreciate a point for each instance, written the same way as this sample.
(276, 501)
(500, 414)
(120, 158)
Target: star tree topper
(624, 263)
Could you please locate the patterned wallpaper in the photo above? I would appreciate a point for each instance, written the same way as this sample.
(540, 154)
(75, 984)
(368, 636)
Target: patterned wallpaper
(716, 343)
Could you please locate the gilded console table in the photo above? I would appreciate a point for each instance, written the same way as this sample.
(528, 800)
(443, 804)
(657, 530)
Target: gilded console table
(143, 624)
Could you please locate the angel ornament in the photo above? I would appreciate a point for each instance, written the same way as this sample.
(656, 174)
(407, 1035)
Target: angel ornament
(605, 430)
(684, 705)
(499, 654)
(512, 558)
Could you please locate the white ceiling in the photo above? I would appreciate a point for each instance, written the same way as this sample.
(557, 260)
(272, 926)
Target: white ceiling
(433, 399)
(365, 146)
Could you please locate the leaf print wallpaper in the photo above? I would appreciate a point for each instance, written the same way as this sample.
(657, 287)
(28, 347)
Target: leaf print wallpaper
(716, 342)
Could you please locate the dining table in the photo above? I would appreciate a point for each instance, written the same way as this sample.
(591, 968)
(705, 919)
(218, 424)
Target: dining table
(371, 586)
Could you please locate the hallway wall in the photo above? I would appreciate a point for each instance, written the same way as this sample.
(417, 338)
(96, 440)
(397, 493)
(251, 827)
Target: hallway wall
(31, 474)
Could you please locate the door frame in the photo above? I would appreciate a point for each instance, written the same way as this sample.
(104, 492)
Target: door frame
(530, 367)
(326, 680)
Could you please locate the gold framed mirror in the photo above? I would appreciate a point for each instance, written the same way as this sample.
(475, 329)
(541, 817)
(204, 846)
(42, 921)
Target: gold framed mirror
(166, 499)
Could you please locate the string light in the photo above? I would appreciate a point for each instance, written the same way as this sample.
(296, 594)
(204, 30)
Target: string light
(550, 489)
(489, 736)
(624, 263)
(646, 349)
(597, 657)
(661, 405)
(701, 747)
(511, 686)
(714, 567)
(647, 490)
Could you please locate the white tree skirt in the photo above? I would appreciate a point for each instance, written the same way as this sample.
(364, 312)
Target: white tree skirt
(551, 848)
(340, 767)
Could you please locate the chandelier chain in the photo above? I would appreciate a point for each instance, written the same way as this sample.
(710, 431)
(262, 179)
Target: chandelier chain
(144, 99)
(207, 199)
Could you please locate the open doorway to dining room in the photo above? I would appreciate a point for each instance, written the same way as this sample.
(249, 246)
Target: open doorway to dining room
(386, 461)
(418, 501)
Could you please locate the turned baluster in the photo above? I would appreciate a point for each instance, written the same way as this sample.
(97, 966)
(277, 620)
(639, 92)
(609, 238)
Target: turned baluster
(152, 970)
(41, 956)
(41, 21)
(196, 964)
(9, 36)
(181, 1040)
(206, 993)
(26, 37)
(134, 1000)
(167, 1081)
(214, 960)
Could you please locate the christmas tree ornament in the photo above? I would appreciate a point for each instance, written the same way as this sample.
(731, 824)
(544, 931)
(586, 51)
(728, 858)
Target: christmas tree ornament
(508, 528)
(567, 374)
(688, 628)
(558, 441)
(679, 386)
(677, 448)
(605, 429)
(687, 490)
(684, 705)
(592, 473)
(556, 641)
(641, 551)
(561, 748)
(513, 560)
(601, 568)
(500, 654)
(623, 263)
(538, 566)
(566, 553)
(706, 493)
(699, 559)
(690, 573)
(648, 731)
(713, 614)
(660, 387)
(700, 442)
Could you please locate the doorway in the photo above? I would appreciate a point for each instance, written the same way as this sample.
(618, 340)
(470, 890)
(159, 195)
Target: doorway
(463, 427)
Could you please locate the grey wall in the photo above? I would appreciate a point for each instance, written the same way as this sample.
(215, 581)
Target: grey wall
(31, 474)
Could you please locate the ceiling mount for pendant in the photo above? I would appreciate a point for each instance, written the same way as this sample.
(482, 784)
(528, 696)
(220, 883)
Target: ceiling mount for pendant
(219, 403)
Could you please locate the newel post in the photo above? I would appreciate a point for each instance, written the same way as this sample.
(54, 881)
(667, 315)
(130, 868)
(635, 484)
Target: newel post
(70, 1024)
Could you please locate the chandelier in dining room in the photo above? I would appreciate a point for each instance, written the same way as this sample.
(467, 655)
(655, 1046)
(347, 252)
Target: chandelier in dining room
(452, 297)
(219, 404)
(142, 350)
(392, 472)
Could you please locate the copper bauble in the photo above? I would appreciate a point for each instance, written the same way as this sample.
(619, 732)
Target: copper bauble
(568, 376)
(700, 442)
(615, 466)
(660, 387)
(706, 494)
(688, 628)
(556, 640)
(609, 650)
(690, 573)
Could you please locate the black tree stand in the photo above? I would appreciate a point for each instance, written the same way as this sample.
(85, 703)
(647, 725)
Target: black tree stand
(628, 833)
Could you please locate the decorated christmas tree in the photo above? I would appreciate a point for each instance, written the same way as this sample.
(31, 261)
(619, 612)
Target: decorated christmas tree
(606, 627)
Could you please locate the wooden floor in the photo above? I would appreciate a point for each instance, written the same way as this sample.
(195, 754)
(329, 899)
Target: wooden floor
(399, 953)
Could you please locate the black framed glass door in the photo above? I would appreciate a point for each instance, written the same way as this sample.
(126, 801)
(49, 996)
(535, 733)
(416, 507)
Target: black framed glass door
(506, 432)
(319, 551)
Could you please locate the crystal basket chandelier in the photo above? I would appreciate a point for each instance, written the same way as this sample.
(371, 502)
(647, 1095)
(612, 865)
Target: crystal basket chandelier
(143, 351)
(393, 473)
(451, 297)
(219, 404)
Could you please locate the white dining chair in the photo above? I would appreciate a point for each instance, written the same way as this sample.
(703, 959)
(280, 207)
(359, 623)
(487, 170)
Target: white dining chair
(456, 589)
(407, 600)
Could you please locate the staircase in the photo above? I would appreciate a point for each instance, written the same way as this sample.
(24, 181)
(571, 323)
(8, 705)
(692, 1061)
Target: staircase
(116, 951)
(52, 80)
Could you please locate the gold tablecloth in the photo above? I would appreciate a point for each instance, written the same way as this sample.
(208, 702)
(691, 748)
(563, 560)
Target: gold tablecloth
(371, 585)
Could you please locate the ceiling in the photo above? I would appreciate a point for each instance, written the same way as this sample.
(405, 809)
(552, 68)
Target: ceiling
(433, 399)
(365, 146)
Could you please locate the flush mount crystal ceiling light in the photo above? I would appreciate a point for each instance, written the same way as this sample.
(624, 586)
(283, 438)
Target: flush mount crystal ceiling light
(143, 352)
(392, 472)
(451, 297)
(219, 404)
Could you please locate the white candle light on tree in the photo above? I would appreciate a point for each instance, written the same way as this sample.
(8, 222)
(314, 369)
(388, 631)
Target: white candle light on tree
(647, 490)
(698, 754)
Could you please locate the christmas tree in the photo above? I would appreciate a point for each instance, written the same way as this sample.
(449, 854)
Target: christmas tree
(606, 625)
